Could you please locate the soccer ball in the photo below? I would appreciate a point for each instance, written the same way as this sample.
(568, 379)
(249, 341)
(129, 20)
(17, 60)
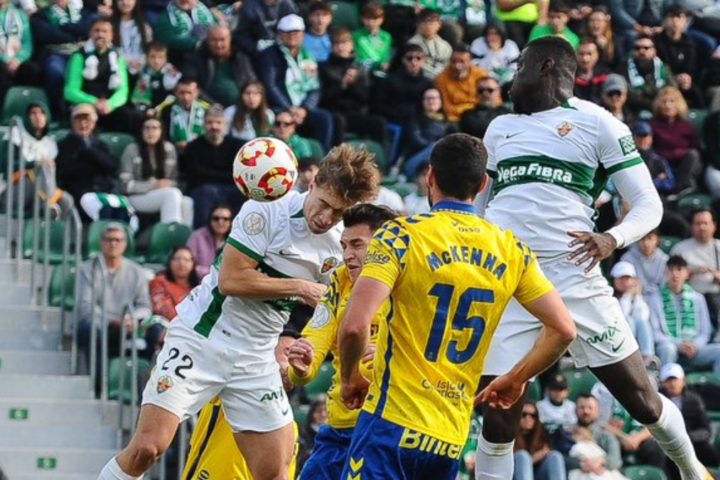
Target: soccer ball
(265, 169)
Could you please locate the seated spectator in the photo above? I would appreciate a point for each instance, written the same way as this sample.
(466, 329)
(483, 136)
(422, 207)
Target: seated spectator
(149, 173)
(599, 28)
(208, 167)
(590, 74)
(388, 198)
(317, 417)
(346, 90)
(257, 24)
(681, 321)
(649, 262)
(131, 33)
(615, 96)
(15, 49)
(437, 51)
(711, 127)
(307, 169)
(535, 458)
(206, 241)
(458, 83)
(184, 26)
(711, 81)
(290, 75)
(183, 115)
(558, 18)
(588, 414)
(250, 117)
(419, 201)
(634, 19)
(692, 407)
(660, 170)
(646, 73)
(496, 54)
(284, 128)
(219, 68)
(592, 459)
(675, 137)
(636, 310)
(156, 80)
(172, 285)
(519, 19)
(317, 38)
(476, 121)
(555, 409)
(429, 126)
(373, 45)
(97, 75)
(108, 284)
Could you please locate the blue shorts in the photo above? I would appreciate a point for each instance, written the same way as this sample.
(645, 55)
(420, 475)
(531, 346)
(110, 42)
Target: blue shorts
(329, 455)
(382, 450)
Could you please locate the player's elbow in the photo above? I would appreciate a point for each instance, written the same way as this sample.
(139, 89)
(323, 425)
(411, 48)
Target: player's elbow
(565, 331)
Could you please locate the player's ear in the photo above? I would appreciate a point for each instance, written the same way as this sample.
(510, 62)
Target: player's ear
(547, 66)
(431, 177)
(484, 183)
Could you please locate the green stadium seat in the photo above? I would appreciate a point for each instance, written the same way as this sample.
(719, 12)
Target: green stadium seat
(376, 149)
(346, 14)
(667, 243)
(697, 117)
(580, 380)
(116, 142)
(114, 367)
(18, 98)
(59, 134)
(92, 244)
(702, 378)
(316, 148)
(715, 472)
(57, 233)
(55, 298)
(301, 415)
(694, 201)
(164, 238)
(644, 472)
(534, 391)
(322, 382)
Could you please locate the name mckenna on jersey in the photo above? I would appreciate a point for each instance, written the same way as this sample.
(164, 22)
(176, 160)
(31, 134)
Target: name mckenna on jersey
(549, 174)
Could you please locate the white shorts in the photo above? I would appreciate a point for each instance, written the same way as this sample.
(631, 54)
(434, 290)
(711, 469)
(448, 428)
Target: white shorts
(603, 334)
(191, 370)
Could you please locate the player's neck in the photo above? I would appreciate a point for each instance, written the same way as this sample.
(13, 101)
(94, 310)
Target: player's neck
(549, 101)
(438, 197)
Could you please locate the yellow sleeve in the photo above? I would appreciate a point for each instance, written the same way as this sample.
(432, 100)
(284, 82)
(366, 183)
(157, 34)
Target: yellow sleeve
(533, 283)
(384, 259)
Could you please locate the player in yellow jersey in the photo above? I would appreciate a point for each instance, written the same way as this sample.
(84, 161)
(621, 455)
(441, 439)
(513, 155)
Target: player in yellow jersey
(214, 454)
(449, 275)
(320, 338)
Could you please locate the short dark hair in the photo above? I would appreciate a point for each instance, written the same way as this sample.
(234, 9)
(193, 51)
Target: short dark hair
(319, 5)
(674, 10)
(556, 48)
(559, 6)
(695, 213)
(99, 20)
(368, 214)
(187, 80)
(372, 10)
(644, 36)
(676, 261)
(589, 41)
(427, 15)
(340, 34)
(459, 161)
(586, 396)
(422, 167)
(306, 163)
(156, 46)
(461, 48)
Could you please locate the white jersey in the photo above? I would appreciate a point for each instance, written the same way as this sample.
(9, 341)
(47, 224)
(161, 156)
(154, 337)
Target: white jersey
(549, 167)
(276, 235)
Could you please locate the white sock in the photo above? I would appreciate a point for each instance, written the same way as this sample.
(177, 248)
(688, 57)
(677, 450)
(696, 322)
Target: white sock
(671, 435)
(494, 461)
(112, 471)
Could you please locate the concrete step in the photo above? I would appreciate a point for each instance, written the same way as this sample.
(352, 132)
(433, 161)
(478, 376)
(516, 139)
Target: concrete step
(31, 412)
(9, 269)
(32, 361)
(36, 340)
(54, 463)
(14, 293)
(53, 436)
(28, 319)
(65, 387)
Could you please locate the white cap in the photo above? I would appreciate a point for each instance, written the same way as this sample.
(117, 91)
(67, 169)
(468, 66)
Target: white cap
(671, 370)
(291, 23)
(623, 269)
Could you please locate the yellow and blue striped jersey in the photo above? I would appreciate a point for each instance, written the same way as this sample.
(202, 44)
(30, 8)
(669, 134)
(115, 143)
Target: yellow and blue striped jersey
(213, 451)
(322, 332)
(451, 275)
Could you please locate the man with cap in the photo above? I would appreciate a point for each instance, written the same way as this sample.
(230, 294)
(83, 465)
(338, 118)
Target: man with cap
(257, 24)
(614, 98)
(556, 410)
(290, 75)
(629, 292)
(660, 170)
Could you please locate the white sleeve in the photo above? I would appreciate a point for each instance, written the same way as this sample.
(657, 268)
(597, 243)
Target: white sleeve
(635, 185)
(616, 148)
(251, 229)
(483, 198)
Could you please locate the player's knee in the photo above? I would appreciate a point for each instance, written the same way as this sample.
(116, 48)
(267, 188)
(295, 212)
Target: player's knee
(645, 407)
(146, 453)
(279, 474)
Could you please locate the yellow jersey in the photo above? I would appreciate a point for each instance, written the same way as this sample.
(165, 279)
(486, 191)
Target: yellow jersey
(322, 332)
(214, 455)
(451, 274)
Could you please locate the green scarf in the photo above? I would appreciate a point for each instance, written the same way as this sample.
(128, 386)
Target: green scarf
(61, 16)
(301, 76)
(90, 70)
(166, 79)
(186, 127)
(685, 327)
(11, 31)
(637, 80)
(184, 22)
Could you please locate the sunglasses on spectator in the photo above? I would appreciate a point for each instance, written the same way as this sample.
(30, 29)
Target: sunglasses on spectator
(613, 93)
(643, 47)
(410, 58)
(218, 218)
(529, 414)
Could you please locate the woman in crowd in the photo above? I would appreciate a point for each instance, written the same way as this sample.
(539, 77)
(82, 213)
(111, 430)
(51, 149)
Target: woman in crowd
(171, 286)
(317, 417)
(131, 33)
(251, 117)
(599, 28)
(534, 457)
(205, 242)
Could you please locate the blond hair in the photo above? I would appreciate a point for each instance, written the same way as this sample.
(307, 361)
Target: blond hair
(350, 172)
(682, 105)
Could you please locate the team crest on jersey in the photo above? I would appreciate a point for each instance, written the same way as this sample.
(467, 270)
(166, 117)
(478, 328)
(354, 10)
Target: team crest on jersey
(328, 264)
(164, 384)
(254, 223)
(564, 128)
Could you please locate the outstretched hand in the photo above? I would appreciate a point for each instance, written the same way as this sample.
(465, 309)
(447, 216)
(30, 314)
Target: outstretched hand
(502, 392)
(594, 247)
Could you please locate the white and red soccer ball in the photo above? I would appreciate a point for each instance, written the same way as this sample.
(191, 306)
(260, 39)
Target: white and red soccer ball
(265, 169)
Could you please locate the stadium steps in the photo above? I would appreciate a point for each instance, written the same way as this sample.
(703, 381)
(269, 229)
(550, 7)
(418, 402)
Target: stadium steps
(53, 464)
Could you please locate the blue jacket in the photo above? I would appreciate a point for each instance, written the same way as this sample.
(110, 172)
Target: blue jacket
(272, 75)
(625, 12)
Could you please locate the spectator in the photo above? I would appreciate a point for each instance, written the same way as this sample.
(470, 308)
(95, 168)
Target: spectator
(711, 127)
(131, 33)
(208, 167)
(675, 137)
(183, 26)
(307, 169)
(636, 310)
(388, 198)
(519, 18)
(599, 28)
(206, 241)
(418, 201)
(555, 410)
(660, 170)
(15, 49)
(148, 174)
(590, 74)
(156, 80)
(588, 413)
(681, 321)
(637, 18)
(183, 115)
(317, 417)
(646, 73)
(173, 284)
(476, 121)
(649, 262)
(317, 38)
(458, 83)
(250, 117)
(427, 127)
(372, 44)
(711, 81)
(702, 253)
(692, 407)
(635, 438)
(592, 459)
(284, 128)
(558, 18)
(219, 68)
(437, 51)
(615, 96)
(257, 25)
(346, 90)
(534, 457)
(290, 75)
(496, 54)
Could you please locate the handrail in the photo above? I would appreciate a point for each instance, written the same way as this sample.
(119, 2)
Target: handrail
(97, 262)
(9, 189)
(17, 123)
(77, 224)
(35, 245)
(46, 248)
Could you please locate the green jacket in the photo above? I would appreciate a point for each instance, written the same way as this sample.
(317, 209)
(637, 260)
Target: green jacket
(176, 37)
(74, 80)
(372, 50)
(20, 27)
(540, 31)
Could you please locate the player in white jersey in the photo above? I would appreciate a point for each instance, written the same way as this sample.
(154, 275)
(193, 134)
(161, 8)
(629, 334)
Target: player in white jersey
(549, 161)
(222, 342)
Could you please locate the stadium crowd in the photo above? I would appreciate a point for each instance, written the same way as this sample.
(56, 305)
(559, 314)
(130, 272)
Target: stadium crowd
(184, 83)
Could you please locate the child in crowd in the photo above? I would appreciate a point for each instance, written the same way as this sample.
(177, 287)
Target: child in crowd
(372, 44)
(156, 80)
